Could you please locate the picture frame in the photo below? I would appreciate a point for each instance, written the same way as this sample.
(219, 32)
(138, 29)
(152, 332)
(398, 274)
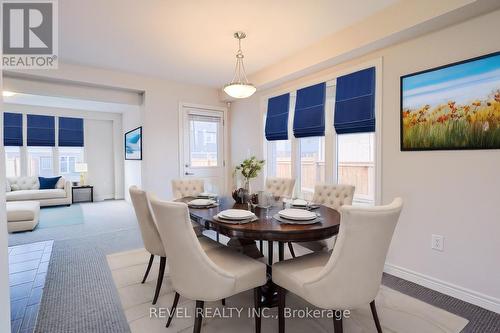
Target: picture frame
(452, 107)
(133, 144)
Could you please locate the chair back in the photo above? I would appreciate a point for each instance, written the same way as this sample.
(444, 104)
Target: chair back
(187, 187)
(194, 275)
(149, 232)
(333, 196)
(280, 187)
(353, 273)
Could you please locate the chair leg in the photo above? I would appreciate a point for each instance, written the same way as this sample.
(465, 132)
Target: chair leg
(256, 303)
(281, 309)
(172, 310)
(198, 316)
(163, 261)
(223, 301)
(290, 247)
(375, 316)
(217, 237)
(337, 324)
(261, 246)
(149, 267)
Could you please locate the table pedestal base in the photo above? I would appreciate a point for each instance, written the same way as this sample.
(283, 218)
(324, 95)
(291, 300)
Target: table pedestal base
(245, 246)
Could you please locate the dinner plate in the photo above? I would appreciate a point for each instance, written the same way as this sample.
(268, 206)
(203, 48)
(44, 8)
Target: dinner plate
(236, 214)
(297, 214)
(201, 202)
(206, 195)
(299, 203)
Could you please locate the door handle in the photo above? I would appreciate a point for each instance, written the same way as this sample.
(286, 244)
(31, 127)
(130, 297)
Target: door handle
(188, 173)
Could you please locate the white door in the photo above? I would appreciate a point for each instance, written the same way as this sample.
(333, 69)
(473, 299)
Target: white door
(203, 147)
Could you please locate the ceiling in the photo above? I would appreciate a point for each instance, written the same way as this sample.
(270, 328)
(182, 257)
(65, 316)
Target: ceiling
(191, 40)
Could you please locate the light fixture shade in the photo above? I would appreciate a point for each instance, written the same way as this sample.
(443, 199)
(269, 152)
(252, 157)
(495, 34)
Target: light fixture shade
(81, 167)
(240, 90)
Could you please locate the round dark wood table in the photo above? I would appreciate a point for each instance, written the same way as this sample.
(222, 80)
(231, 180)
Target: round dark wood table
(266, 228)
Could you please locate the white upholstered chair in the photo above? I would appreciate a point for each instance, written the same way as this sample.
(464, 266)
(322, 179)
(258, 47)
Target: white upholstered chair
(350, 275)
(151, 237)
(187, 187)
(333, 196)
(280, 187)
(199, 275)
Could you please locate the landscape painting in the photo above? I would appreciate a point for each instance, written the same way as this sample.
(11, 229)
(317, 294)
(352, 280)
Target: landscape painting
(133, 144)
(452, 107)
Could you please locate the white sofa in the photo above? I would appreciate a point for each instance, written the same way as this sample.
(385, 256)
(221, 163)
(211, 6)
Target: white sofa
(28, 189)
(22, 215)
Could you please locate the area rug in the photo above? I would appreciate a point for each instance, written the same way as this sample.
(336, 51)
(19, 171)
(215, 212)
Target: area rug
(51, 217)
(398, 312)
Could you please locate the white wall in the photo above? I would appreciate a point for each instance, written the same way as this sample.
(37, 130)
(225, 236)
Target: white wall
(99, 157)
(103, 151)
(132, 169)
(451, 193)
(4, 264)
(159, 114)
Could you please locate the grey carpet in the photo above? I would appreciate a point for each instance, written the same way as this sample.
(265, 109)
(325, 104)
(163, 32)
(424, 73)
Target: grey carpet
(79, 294)
(480, 320)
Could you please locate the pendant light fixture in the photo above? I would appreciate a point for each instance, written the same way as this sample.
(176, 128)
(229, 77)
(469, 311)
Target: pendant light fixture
(239, 86)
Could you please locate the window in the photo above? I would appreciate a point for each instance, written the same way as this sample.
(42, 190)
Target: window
(332, 158)
(13, 161)
(68, 156)
(279, 159)
(40, 161)
(356, 164)
(312, 164)
(203, 141)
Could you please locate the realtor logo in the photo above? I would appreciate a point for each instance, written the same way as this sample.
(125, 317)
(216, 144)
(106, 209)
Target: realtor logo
(29, 34)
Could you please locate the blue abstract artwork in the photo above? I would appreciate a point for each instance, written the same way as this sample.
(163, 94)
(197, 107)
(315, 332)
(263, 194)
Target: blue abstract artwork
(133, 144)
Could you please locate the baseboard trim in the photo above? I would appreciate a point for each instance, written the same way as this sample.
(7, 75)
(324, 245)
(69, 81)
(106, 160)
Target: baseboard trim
(464, 294)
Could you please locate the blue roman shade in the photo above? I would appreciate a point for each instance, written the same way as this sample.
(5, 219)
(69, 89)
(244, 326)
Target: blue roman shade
(277, 118)
(12, 129)
(41, 131)
(355, 102)
(70, 132)
(309, 119)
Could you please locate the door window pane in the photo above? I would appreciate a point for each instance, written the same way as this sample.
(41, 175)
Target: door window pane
(40, 161)
(68, 156)
(356, 164)
(312, 164)
(280, 159)
(203, 141)
(13, 161)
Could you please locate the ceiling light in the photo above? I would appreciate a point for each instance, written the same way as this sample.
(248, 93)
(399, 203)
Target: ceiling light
(239, 86)
(6, 93)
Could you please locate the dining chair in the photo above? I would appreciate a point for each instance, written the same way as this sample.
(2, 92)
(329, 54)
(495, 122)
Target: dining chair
(151, 237)
(190, 187)
(199, 275)
(333, 196)
(187, 187)
(280, 187)
(349, 276)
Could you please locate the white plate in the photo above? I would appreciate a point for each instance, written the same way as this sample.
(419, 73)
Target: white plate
(201, 202)
(297, 214)
(236, 214)
(299, 203)
(206, 195)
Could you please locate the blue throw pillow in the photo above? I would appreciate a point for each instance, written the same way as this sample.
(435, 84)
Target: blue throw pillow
(48, 183)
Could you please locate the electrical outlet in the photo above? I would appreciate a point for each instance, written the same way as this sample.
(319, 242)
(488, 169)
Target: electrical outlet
(437, 243)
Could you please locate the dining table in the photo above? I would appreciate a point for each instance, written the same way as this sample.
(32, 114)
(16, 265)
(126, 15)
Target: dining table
(243, 236)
